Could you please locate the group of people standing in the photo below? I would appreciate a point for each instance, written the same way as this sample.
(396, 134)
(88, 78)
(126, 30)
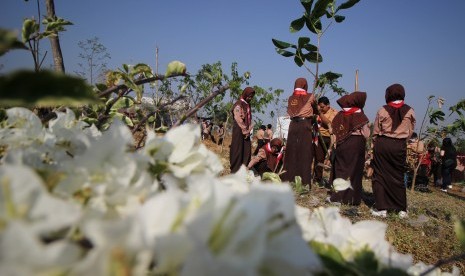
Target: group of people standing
(207, 132)
(439, 162)
(317, 130)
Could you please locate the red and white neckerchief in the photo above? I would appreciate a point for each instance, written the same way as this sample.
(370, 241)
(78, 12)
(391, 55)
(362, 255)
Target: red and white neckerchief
(396, 104)
(280, 154)
(268, 147)
(249, 115)
(300, 92)
(315, 132)
(351, 110)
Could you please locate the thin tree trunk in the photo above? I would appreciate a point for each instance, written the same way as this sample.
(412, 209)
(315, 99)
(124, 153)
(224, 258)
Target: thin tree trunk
(55, 40)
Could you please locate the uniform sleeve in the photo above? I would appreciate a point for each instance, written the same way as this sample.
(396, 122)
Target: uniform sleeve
(413, 122)
(239, 118)
(257, 158)
(366, 130)
(376, 125)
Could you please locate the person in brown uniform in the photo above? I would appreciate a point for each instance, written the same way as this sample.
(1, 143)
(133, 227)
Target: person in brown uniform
(350, 126)
(299, 149)
(241, 148)
(325, 117)
(393, 126)
(220, 134)
(260, 137)
(268, 133)
(268, 158)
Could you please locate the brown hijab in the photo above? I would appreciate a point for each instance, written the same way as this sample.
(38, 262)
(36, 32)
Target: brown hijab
(245, 105)
(272, 159)
(396, 111)
(351, 117)
(301, 83)
(299, 97)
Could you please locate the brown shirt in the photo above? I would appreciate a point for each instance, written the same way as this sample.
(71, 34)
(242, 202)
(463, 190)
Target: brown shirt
(240, 118)
(260, 135)
(383, 125)
(300, 106)
(261, 155)
(268, 134)
(330, 114)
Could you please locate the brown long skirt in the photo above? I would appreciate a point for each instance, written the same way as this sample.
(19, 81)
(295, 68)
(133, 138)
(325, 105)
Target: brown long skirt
(241, 149)
(389, 163)
(348, 164)
(299, 152)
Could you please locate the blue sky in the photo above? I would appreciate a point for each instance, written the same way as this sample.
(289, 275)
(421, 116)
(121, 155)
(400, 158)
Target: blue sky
(417, 43)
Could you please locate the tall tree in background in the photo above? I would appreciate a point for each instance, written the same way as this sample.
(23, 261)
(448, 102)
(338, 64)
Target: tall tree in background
(94, 55)
(55, 40)
(32, 35)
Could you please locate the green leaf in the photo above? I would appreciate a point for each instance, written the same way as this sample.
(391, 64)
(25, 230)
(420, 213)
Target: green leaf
(303, 41)
(297, 24)
(310, 47)
(367, 261)
(339, 18)
(298, 61)
(332, 259)
(142, 68)
(331, 76)
(44, 88)
(9, 41)
(101, 87)
(320, 8)
(55, 24)
(435, 116)
(313, 57)
(126, 68)
(273, 177)
(282, 45)
(307, 5)
(459, 228)
(90, 121)
(175, 68)
(347, 5)
(314, 25)
(29, 28)
(285, 53)
(123, 102)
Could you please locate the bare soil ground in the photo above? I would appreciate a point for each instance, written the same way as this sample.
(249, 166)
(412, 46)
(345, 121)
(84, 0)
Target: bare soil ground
(428, 232)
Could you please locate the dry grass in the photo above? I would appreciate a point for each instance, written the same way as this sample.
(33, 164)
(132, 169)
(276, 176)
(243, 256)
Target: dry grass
(428, 234)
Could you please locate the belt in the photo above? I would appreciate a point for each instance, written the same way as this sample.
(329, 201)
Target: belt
(298, 119)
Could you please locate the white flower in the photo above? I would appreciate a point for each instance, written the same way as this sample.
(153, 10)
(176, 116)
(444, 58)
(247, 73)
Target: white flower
(341, 184)
(326, 225)
(26, 198)
(117, 248)
(23, 253)
(180, 153)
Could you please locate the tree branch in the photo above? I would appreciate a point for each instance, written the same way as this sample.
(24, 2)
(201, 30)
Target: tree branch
(138, 82)
(160, 108)
(194, 110)
(443, 262)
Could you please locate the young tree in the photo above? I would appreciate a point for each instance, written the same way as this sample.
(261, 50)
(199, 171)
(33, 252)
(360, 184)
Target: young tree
(31, 35)
(54, 38)
(304, 51)
(94, 55)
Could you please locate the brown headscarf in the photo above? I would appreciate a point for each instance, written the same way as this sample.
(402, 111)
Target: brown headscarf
(397, 112)
(299, 97)
(301, 83)
(247, 92)
(245, 105)
(276, 142)
(272, 159)
(351, 117)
